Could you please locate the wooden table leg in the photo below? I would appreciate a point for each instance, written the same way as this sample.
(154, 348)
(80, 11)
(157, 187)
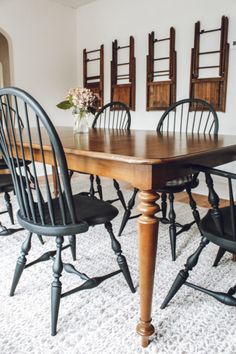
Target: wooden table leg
(148, 234)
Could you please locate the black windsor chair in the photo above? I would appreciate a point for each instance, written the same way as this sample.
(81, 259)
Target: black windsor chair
(114, 115)
(217, 226)
(3, 165)
(38, 212)
(186, 116)
(6, 186)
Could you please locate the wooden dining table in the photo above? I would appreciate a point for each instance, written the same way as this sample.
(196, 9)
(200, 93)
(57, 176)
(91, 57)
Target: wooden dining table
(147, 160)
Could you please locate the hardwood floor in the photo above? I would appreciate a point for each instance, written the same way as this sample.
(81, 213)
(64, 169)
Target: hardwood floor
(201, 200)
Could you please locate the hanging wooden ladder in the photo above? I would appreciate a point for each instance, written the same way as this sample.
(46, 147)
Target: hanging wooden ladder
(95, 83)
(211, 89)
(123, 92)
(161, 94)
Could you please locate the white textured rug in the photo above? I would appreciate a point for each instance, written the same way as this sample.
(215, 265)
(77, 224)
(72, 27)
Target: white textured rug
(103, 320)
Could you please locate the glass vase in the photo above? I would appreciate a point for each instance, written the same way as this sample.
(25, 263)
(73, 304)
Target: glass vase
(80, 122)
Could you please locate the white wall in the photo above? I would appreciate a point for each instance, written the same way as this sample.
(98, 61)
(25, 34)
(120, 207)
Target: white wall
(42, 40)
(46, 40)
(103, 21)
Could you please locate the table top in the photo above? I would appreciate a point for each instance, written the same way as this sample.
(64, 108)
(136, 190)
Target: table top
(146, 159)
(139, 146)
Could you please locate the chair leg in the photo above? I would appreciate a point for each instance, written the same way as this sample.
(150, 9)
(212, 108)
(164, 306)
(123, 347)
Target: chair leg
(91, 190)
(119, 193)
(99, 187)
(9, 206)
(121, 260)
(127, 212)
(232, 291)
(72, 240)
(40, 239)
(172, 227)
(184, 273)
(163, 206)
(220, 253)
(193, 206)
(21, 262)
(56, 286)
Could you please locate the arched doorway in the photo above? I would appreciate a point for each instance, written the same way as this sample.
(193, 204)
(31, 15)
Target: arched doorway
(5, 72)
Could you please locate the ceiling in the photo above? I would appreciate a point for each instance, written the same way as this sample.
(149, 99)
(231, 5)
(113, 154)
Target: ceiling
(73, 3)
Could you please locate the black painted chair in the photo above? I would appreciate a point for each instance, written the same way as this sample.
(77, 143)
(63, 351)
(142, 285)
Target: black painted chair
(39, 212)
(7, 180)
(217, 226)
(6, 186)
(115, 115)
(3, 165)
(186, 116)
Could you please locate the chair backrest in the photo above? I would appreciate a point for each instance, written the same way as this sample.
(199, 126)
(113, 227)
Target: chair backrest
(224, 216)
(3, 165)
(114, 115)
(20, 143)
(190, 115)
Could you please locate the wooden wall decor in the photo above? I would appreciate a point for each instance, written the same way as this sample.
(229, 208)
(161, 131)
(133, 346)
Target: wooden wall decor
(124, 92)
(94, 83)
(211, 89)
(161, 94)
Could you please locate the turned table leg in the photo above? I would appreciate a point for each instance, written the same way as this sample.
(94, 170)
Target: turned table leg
(148, 233)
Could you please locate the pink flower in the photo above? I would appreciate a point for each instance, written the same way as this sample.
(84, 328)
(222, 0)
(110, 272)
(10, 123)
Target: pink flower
(82, 98)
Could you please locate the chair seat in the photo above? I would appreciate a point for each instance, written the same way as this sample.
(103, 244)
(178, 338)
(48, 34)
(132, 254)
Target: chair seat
(94, 211)
(90, 210)
(180, 184)
(6, 184)
(209, 229)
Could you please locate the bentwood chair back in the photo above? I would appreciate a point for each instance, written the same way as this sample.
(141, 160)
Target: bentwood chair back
(37, 210)
(114, 115)
(190, 115)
